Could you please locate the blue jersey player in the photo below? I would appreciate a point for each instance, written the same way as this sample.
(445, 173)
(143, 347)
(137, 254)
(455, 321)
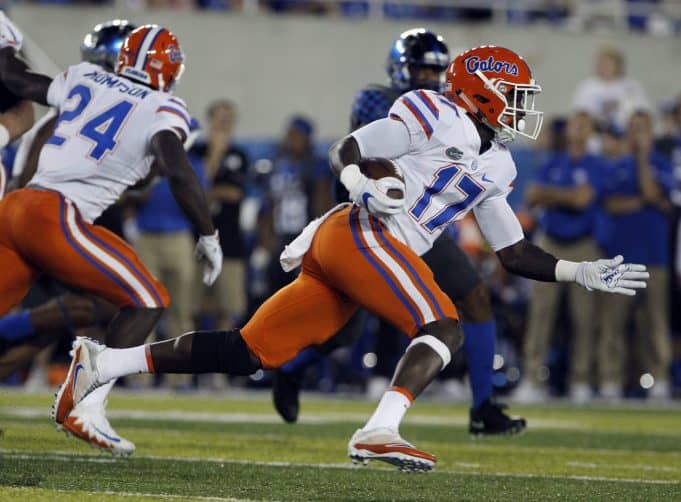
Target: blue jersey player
(418, 60)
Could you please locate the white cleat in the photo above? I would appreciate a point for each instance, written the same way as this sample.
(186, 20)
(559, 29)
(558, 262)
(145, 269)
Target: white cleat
(89, 423)
(386, 445)
(81, 378)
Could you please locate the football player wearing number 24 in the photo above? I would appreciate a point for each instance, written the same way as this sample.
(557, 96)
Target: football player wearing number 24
(450, 151)
(110, 129)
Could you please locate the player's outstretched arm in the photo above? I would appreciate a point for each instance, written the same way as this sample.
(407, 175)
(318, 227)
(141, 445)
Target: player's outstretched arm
(519, 256)
(611, 276)
(18, 78)
(527, 260)
(172, 162)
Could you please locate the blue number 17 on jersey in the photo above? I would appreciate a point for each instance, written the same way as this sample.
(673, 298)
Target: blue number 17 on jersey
(465, 184)
(102, 129)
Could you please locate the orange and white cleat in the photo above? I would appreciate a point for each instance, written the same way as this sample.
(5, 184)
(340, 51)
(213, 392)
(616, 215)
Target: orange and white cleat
(89, 423)
(81, 378)
(386, 445)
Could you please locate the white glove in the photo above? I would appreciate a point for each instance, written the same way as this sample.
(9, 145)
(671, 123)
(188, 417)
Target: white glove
(10, 36)
(209, 252)
(611, 276)
(372, 194)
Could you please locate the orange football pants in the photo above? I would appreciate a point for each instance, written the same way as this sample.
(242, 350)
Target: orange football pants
(42, 232)
(353, 262)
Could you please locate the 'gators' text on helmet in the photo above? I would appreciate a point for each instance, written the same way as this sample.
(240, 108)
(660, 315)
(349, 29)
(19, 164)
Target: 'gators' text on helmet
(496, 86)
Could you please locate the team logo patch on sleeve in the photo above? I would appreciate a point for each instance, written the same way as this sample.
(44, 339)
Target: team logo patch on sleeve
(454, 153)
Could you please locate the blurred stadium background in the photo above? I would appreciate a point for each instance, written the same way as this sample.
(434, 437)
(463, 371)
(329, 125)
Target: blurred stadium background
(271, 84)
(281, 76)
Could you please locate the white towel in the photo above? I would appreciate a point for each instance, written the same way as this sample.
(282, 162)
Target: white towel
(292, 255)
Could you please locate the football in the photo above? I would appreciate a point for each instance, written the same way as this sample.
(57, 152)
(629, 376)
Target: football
(377, 168)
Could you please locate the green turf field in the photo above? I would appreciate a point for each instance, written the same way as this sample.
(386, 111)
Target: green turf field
(224, 448)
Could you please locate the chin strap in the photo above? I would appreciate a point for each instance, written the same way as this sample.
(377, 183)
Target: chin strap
(502, 135)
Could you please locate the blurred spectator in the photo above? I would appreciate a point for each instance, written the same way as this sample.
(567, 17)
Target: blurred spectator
(669, 140)
(168, 4)
(523, 12)
(299, 6)
(227, 169)
(566, 189)
(636, 225)
(298, 189)
(610, 96)
(220, 4)
(669, 144)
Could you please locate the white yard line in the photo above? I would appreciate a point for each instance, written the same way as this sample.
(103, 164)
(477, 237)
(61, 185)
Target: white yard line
(262, 418)
(136, 495)
(634, 467)
(70, 456)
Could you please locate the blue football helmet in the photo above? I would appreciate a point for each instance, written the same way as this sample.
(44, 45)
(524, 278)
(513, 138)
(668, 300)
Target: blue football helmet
(417, 48)
(102, 44)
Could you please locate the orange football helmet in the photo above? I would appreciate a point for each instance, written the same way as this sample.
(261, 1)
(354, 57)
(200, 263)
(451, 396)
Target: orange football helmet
(495, 85)
(151, 55)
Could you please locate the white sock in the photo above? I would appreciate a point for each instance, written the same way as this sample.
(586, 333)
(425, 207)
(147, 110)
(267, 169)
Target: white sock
(99, 395)
(390, 411)
(116, 363)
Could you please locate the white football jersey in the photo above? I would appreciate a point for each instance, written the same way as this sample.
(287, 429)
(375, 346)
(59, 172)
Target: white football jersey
(101, 142)
(444, 173)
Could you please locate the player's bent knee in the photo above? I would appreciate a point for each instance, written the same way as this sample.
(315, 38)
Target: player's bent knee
(221, 352)
(443, 336)
(476, 305)
(78, 308)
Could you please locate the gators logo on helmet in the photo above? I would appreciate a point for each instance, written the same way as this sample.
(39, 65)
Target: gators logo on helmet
(474, 63)
(495, 85)
(151, 55)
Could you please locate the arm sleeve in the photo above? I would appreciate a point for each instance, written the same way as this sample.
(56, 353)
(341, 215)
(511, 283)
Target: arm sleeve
(498, 222)
(56, 93)
(171, 115)
(385, 138)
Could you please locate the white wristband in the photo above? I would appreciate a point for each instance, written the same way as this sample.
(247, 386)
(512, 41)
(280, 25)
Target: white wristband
(566, 271)
(4, 136)
(350, 176)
